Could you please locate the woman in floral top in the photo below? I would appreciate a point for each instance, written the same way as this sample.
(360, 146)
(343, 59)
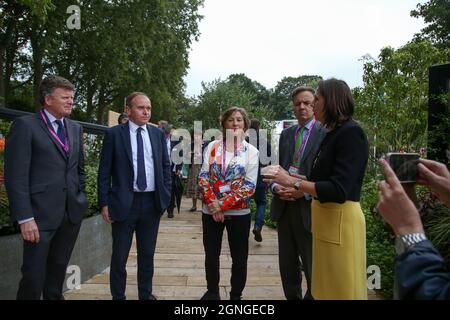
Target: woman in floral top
(227, 181)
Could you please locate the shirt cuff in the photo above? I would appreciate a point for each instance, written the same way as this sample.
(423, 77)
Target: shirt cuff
(25, 220)
(273, 186)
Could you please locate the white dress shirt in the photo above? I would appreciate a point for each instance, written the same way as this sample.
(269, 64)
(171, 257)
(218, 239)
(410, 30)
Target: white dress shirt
(148, 157)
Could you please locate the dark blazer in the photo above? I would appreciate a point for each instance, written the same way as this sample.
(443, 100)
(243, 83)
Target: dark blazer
(286, 150)
(41, 181)
(116, 174)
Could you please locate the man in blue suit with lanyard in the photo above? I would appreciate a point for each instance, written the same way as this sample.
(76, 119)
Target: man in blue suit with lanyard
(134, 186)
(44, 178)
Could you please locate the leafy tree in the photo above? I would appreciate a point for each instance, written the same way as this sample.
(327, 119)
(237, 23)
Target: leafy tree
(436, 14)
(392, 105)
(260, 93)
(216, 97)
(13, 17)
(122, 46)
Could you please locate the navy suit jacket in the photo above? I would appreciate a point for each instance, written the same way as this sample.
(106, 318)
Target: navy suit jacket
(41, 181)
(286, 150)
(116, 174)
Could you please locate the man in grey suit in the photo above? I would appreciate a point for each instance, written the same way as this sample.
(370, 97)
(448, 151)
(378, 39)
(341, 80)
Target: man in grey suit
(44, 179)
(291, 209)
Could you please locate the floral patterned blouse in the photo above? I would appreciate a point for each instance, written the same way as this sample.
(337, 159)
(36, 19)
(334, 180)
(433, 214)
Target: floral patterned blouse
(240, 176)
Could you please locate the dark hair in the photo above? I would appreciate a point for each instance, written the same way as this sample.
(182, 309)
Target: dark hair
(301, 89)
(122, 117)
(255, 124)
(224, 117)
(49, 84)
(133, 95)
(339, 104)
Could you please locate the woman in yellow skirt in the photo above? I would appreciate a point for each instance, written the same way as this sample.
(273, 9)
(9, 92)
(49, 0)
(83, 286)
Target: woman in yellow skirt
(338, 225)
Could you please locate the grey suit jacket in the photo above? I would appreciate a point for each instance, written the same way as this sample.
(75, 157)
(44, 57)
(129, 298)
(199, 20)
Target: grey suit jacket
(41, 181)
(286, 150)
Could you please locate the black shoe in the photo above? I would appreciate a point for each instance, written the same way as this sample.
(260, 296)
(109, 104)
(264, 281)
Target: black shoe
(257, 234)
(152, 297)
(235, 297)
(193, 209)
(210, 296)
(170, 215)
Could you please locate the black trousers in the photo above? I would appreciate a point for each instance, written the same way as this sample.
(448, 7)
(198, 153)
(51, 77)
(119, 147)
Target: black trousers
(171, 206)
(45, 263)
(294, 240)
(144, 219)
(238, 229)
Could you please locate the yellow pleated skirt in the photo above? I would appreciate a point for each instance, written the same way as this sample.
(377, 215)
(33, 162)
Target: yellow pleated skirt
(339, 251)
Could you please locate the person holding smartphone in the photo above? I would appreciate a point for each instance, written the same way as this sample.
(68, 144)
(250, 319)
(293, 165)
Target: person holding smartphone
(421, 273)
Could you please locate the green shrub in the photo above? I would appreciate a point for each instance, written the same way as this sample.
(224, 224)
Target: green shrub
(436, 220)
(379, 242)
(91, 190)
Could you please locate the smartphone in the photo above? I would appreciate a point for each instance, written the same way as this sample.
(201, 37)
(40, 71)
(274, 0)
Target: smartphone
(404, 166)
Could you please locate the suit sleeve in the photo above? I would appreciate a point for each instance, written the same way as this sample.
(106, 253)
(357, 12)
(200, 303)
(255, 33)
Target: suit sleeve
(18, 153)
(105, 169)
(204, 177)
(280, 161)
(422, 274)
(81, 173)
(166, 164)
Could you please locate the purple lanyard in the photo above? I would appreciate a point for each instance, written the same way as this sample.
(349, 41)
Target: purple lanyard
(304, 141)
(224, 156)
(65, 145)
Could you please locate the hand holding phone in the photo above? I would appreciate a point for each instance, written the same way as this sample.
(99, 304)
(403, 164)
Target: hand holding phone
(404, 165)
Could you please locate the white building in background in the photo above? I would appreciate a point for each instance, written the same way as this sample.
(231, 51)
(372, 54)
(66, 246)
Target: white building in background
(278, 127)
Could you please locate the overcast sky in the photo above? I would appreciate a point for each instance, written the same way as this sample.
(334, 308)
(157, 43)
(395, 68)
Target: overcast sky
(270, 39)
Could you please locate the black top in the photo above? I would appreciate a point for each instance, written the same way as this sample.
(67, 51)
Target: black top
(339, 167)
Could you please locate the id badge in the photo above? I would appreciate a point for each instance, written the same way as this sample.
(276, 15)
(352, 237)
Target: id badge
(224, 188)
(293, 169)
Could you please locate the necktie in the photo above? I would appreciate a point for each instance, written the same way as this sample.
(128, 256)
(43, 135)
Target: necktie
(60, 131)
(141, 179)
(298, 145)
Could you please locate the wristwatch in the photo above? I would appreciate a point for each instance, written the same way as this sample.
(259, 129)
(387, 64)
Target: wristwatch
(407, 241)
(297, 184)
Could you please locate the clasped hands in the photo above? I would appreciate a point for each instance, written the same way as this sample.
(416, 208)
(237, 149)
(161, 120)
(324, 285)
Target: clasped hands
(216, 211)
(284, 180)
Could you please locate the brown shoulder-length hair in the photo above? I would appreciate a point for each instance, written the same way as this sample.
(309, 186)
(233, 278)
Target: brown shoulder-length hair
(339, 104)
(224, 117)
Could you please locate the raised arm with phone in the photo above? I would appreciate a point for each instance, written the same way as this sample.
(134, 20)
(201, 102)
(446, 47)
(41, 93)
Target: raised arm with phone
(421, 273)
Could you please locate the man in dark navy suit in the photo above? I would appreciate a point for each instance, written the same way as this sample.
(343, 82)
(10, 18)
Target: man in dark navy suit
(44, 178)
(134, 186)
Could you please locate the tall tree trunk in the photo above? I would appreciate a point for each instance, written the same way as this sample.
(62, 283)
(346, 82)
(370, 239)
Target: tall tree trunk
(9, 66)
(101, 106)
(89, 101)
(5, 43)
(38, 69)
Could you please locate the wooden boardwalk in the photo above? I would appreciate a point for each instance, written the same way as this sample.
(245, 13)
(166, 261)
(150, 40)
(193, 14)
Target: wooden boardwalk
(179, 265)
